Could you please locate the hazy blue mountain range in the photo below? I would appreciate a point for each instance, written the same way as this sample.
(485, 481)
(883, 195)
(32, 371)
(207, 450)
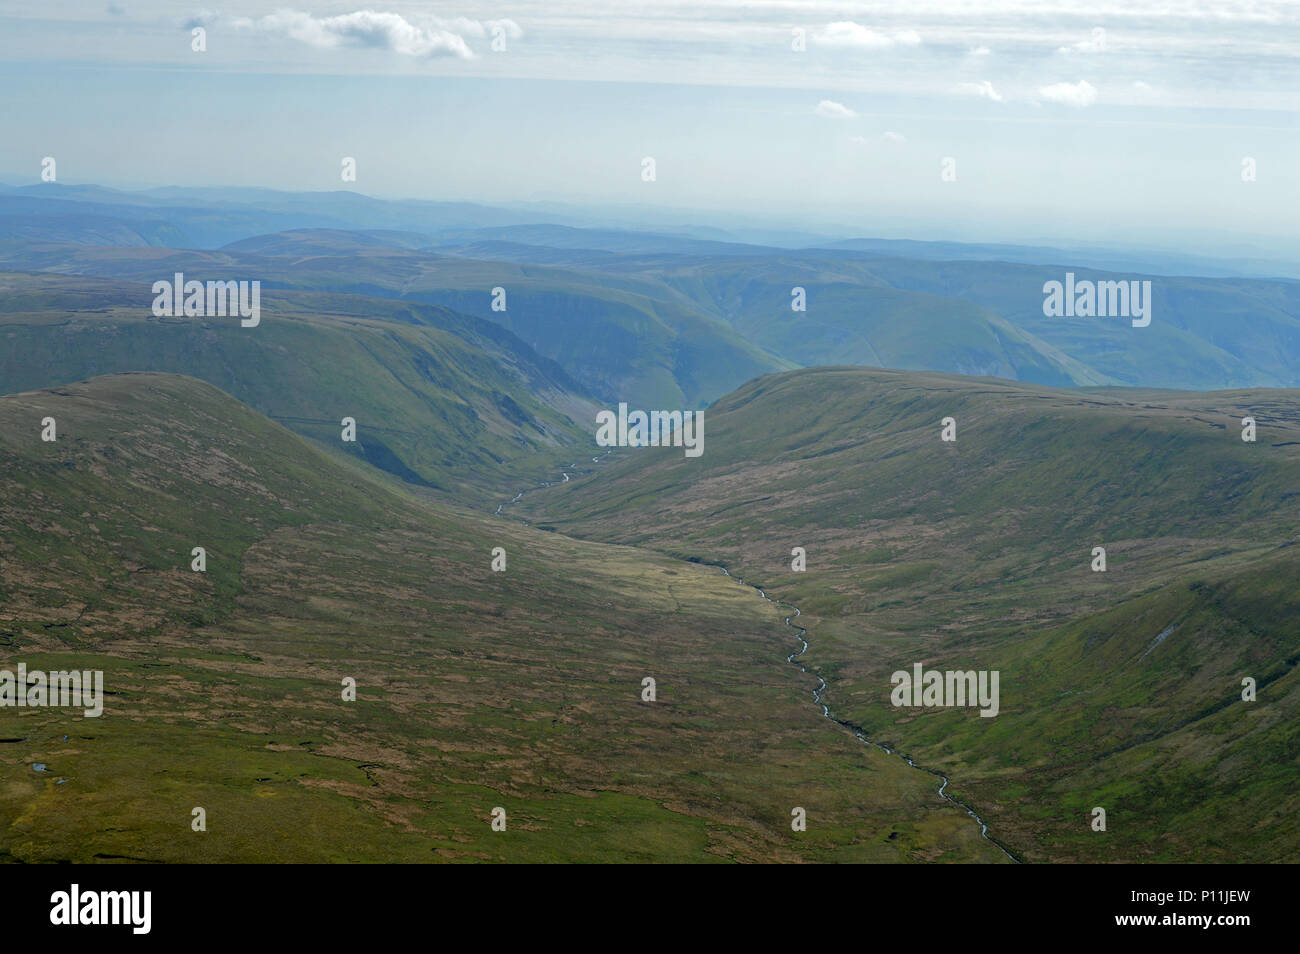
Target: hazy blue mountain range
(674, 320)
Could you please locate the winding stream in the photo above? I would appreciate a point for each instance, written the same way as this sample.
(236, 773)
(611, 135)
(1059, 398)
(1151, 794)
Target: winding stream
(857, 731)
(802, 634)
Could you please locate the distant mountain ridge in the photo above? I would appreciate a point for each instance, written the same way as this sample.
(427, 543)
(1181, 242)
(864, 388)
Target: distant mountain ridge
(671, 320)
(204, 215)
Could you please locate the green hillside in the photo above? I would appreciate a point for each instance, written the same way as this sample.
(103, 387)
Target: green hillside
(618, 340)
(848, 318)
(1205, 333)
(666, 322)
(441, 400)
(475, 689)
(976, 555)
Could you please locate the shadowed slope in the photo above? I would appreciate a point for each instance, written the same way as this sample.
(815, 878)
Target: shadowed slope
(439, 399)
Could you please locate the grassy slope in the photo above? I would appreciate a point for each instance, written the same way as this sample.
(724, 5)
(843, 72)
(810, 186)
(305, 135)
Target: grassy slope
(476, 689)
(439, 398)
(969, 317)
(622, 344)
(976, 555)
(1204, 333)
(853, 319)
(618, 342)
(685, 309)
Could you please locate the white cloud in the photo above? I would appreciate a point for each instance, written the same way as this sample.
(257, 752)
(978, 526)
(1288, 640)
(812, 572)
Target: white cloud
(894, 137)
(983, 88)
(1225, 54)
(425, 37)
(847, 34)
(828, 109)
(1078, 94)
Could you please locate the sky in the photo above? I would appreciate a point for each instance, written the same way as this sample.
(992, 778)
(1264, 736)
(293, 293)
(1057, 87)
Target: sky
(1055, 121)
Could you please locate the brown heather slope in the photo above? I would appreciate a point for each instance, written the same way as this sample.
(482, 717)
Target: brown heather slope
(474, 689)
(1119, 689)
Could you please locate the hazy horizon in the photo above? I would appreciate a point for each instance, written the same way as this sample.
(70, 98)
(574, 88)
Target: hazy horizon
(1135, 135)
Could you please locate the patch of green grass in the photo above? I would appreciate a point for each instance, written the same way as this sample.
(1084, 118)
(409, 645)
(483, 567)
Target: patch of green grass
(976, 555)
